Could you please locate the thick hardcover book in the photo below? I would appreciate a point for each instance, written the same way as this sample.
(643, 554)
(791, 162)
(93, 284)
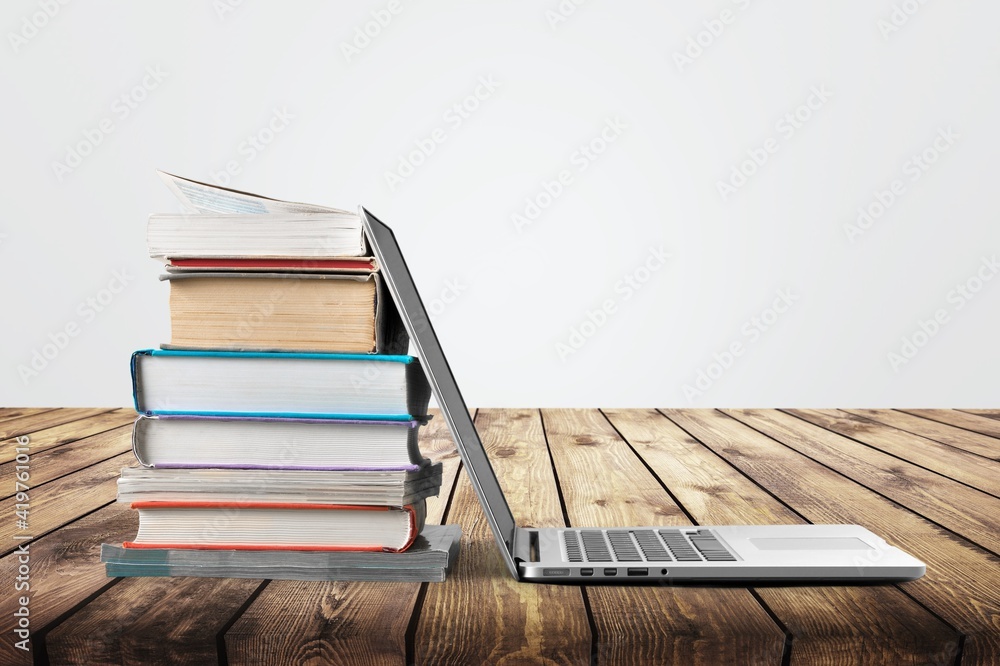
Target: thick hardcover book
(430, 558)
(276, 443)
(279, 384)
(276, 526)
(257, 311)
(376, 487)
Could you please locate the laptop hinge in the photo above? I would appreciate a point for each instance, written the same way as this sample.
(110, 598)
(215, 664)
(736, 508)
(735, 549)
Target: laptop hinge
(522, 544)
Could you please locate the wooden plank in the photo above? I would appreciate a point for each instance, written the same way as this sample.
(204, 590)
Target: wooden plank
(11, 413)
(970, 512)
(981, 424)
(64, 500)
(62, 460)
(972, 442)
(43, 420)
(954, 463)
(604, 484)
(121, 621)
(43, 440)
(64, 570)
(960, 586)
(150, 621)
(481, 614)
(339, 622)
(988, 413)
(829, 624)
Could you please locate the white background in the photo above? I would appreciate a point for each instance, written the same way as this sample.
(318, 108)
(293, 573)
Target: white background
(524, 291)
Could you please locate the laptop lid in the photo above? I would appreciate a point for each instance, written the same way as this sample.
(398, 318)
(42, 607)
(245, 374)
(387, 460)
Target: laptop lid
(411, 309)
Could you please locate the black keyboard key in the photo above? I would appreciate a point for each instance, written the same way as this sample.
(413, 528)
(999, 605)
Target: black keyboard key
(595, 546)
(621, 543)
(573, 551)
(679, 547)
(650, 546)
(709, 546)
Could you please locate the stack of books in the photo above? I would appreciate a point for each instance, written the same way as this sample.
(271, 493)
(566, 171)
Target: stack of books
(278, 430)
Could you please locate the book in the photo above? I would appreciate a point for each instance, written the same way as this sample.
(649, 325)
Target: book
(429, 558)
(340, 265)
(199, 197)
(257, 311)
(287, 235)
(214, 211)
(276, 526)
(279, 384)
(289, 443)
(370, 487)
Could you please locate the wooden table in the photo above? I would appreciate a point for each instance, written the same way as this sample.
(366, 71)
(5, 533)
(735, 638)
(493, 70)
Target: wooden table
(926, 480)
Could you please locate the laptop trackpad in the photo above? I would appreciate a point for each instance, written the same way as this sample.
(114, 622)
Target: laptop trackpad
(810, 543)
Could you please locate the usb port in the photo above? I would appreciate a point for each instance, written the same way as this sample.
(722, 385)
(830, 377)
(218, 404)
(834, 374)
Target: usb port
(611, 572)
(638, 571)
(586, 572)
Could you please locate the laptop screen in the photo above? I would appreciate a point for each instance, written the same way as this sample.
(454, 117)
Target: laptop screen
(411, 309)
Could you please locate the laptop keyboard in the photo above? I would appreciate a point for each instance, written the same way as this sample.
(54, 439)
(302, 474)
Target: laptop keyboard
(661, 545)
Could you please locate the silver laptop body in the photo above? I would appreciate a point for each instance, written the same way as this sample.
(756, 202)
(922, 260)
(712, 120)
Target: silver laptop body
(819, 553)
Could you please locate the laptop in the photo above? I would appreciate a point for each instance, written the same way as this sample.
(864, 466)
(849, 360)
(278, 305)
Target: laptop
(818, 553)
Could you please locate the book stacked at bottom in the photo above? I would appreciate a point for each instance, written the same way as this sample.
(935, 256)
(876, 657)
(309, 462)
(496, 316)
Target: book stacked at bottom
(270, 459)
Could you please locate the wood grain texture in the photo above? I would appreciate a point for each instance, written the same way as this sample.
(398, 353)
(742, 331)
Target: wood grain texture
(968, 511)
(972, 442)
(300, 622)
(960, 586)
(11, 413)
(436, 443)
(981, 424)
(957, 464)
(603, 483)
(39, 421)
(747, 466)
(65, 569)
(988, 413)
(481, 614)
(62, 501)
(58, 461)
(829, 624)
(122, 625)
(43, 441)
